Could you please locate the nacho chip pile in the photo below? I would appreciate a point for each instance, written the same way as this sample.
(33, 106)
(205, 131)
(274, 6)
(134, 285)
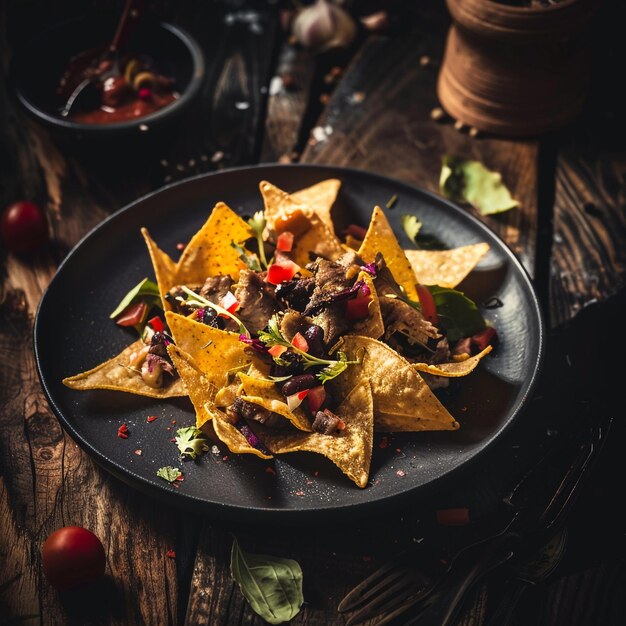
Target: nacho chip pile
(286, 339)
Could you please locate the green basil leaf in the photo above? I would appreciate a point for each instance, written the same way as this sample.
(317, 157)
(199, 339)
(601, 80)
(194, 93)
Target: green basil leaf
(272, 585)
(458, 315)
(146, 288)
(471, 181)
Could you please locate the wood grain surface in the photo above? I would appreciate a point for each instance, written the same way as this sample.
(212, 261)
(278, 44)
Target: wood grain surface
(373, 112)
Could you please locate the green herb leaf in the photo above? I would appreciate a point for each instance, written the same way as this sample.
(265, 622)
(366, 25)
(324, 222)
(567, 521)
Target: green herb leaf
(257, 224)
(411, 226)
(191, 442)
(169, 473)
(145, 289)
(272, 585)
(458, 315)
(392, 201)
(472, 182)
(251, 260)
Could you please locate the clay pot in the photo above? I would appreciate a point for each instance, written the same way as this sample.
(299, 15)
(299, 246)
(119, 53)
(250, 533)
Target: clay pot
(515, 70)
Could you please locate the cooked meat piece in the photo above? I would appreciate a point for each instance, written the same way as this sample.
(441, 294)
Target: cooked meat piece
(172, 297)
(295, 293)
(256, 300)
(332, 320)
(216, 287)
(441, 353)
(330, 280)
(293, 322)
(242, 409)
(463, 346)
(400, 317)
(327, 423)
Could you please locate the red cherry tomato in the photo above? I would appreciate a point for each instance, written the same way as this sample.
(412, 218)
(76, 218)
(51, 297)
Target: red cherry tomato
(133, 314)
(72, 557)
(427, 302)
(24, 227)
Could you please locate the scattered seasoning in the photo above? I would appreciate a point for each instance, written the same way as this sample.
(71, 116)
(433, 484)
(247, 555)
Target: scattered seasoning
(453, 517)
(316, 473)
(123, 431)
(437, 114)
(392, 201)
(299, 493)
(425, 60)
(225, 458)
(309, 482)
(173, 422)
(401, 473)
(358, 97)
(169, 428)
(324, 98)
(173, 439)
(171, 554)
(270, 470)
(151, 418)
(138, 452)
(217, 156)
(180, 246)
(384, 442)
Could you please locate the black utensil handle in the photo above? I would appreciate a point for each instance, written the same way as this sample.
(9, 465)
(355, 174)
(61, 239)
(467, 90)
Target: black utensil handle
(447, 604)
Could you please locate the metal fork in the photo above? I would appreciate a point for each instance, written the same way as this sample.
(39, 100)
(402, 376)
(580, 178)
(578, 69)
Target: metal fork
(399, 586)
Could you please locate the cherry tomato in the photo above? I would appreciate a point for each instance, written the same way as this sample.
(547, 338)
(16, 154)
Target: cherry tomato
(427, 302)
(24, 227)
(133, 314)
(72, 557)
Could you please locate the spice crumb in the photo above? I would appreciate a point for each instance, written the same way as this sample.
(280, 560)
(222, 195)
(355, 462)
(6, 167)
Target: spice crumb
(425, 60)
(316, 473)
(401, 473)
(123, 431)
(138, 452)
(171, 554)
(151, 418)
(270, 470)
(437, 114)
(384, 442)
(299, 493)
(225, 458)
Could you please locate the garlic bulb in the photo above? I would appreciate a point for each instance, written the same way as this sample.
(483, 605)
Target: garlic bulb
(324, 25)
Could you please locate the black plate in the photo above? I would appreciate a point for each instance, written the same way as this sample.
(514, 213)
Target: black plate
(73, 333)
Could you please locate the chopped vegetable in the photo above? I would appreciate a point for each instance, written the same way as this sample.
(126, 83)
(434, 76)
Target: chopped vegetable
(146, 289)
(411, 226)
(134, 315)
(458, 316)
(157, 324)
(281, 271)
(285, 241)
(427, 303)
(300, 342)
(191, 442)
(168, 473)
(257, 224)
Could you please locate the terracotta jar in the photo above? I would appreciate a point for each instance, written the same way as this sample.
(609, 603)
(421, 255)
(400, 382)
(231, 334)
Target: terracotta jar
(515, 70)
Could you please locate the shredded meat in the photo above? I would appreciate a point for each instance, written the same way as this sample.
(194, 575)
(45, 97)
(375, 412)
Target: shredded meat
(242, 409)
(327, 423)
(256, 299)
(216, 287)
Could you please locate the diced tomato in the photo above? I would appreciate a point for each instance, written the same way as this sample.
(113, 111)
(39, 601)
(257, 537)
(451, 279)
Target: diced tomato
(453, 517)
(427, 302)
(133, 314)
(229, 302)
(295, 399)
(285, 241)
(316, 398)
(483, 338)
(300, 342)
(277, 350)
(157, 324)
(357, 308)
(278, 272)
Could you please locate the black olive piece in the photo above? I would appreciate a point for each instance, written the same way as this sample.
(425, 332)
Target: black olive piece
(314, 336)
(298, 383)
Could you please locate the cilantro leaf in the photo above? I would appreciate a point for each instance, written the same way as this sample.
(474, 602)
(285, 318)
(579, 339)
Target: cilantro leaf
(411, 226)
(145, 289)
(251, 260)
(257, 224)
(472, 182)
(191, 442)
(169, 473)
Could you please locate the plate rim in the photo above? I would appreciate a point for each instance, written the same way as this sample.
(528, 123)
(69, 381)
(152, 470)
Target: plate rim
(229, 511)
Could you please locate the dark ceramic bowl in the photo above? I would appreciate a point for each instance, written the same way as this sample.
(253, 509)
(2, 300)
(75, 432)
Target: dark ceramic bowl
(39, 65)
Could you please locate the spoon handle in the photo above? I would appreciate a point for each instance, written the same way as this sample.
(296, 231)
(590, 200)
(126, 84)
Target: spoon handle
(129, 17)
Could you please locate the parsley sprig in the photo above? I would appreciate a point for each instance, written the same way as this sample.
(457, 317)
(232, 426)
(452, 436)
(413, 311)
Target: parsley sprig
(196, 300)
(257, 224)
(191, 442)
(331, 368)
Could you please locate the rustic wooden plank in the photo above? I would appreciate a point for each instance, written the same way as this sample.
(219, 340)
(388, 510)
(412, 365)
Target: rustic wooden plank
(387, 75)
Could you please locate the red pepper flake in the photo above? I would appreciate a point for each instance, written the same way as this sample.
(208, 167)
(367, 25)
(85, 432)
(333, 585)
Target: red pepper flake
(384, 442)
(270, 470)
(138, 452)
(398, 450)
(171, 554)
(367, 558)
(453, 517)
(316, 473)
(123, 431)
(299, 493)
(309, 482)
(173, 422)
(180, 246)
(225, 458)
(169, 428)
(401, 473)
(180, 478)
(175, 485)
(151, 418)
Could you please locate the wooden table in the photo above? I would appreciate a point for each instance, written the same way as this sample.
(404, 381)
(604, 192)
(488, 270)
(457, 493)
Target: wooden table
(371, 107)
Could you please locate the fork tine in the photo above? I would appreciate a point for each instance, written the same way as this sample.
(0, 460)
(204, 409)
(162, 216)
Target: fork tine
(363, 590)
(381, 605)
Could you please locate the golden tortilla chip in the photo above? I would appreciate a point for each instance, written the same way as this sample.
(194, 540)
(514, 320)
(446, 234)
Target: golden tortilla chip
(446, 268)
(350, 450)
(320, 197)
(116, 374)
(230, 434)
(453, 369)
(198, 388)
(402, 400)
(319, 238)
(218, 353)
(164, 268)
(373, 325)
(381, 238)
(266, 394)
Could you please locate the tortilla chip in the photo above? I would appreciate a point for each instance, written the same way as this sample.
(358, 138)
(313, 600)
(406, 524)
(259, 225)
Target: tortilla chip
(319, 238)
(164, 268)
(402, 399)
(320, 197)
(209, 252)
(373, 325)
(266, 394)
(230, 434)
(453, 369)
(218, 353)
(350, 450)
(381, 238)
(446, 268)
(117, 375)
(198, 388)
